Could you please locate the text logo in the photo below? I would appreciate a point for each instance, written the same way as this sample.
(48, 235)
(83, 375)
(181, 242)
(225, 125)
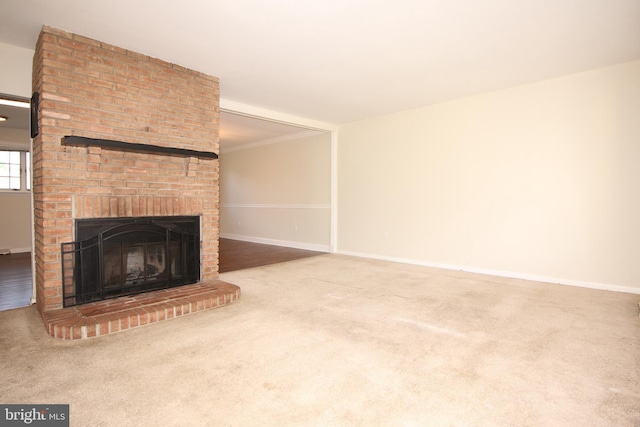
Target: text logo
(34, 415)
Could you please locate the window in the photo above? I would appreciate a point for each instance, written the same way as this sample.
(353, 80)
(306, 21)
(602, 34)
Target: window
(15, 170)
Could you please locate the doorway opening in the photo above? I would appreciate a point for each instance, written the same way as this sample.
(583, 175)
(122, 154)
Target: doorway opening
(16, 204)
(276, 181)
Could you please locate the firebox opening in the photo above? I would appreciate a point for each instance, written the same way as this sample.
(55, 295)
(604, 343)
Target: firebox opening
(114, 257)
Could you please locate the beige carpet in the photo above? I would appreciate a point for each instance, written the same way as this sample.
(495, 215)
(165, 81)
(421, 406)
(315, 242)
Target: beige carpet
(335, 340)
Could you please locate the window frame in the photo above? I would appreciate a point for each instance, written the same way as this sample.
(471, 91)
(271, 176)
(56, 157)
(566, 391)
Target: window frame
(25, 170)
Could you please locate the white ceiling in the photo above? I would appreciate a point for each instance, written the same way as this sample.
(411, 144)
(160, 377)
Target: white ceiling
(338, 61)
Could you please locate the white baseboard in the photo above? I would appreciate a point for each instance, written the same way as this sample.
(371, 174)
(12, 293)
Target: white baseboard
(286, 243)
(20, 250)
(500, 273)
(6, 251)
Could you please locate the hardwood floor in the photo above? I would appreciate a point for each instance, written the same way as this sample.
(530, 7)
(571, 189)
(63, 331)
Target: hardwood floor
(15, 280)
(238, 255)
(15, 269)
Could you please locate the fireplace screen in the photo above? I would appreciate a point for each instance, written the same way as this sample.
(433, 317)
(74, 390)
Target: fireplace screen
(114, 257)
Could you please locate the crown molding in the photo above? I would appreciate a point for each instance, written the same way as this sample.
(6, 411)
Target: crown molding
(275, 116)
(274, 140)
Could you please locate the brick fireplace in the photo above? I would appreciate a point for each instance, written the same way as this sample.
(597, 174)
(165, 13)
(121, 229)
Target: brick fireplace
(94, 90)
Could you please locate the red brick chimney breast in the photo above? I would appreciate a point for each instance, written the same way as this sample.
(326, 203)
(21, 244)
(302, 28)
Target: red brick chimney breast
(92, 89)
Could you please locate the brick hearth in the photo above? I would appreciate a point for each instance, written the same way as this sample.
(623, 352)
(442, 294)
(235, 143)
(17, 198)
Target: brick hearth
(120, 314)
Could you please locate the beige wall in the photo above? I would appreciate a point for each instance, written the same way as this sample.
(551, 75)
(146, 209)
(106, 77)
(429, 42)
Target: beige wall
(15, 72)
(15, 208)
(540, 181)
(15, 229)
(278, 193)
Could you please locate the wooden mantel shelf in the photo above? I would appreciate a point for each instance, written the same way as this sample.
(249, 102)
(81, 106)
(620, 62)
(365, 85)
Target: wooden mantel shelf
(140, 148)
